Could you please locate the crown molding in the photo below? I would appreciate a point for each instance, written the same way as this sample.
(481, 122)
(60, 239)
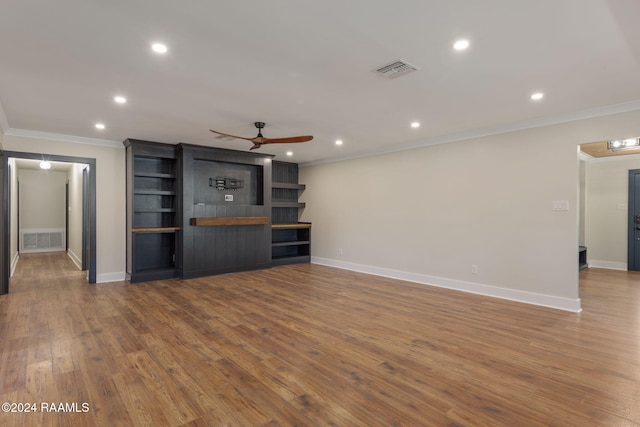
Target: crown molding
(64, 138)
(607, 110)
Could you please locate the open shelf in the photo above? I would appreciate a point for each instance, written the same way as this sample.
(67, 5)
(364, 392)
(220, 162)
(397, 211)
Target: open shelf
(155, 192)
(287, 205)
(291, 243)
(155, 229)
(151, 211)
(288, 185)
(155, 175)
(290, 239)
(229, 220)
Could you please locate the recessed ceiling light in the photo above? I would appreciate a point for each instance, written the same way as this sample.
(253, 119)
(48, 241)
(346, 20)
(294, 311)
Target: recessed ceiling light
(338, 142)
(45, 165)
(289, 153)
(537, 96)
(120, 99)
(415, 125)
(159, 48)
(461, 44)
(99, 125)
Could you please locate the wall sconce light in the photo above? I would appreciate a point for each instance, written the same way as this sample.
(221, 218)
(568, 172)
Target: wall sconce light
(623, 144)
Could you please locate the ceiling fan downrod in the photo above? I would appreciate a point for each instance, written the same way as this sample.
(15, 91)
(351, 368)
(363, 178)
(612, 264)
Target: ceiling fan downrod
(259, 125)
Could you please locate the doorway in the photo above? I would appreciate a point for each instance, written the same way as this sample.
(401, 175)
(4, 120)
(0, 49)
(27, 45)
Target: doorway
(633, 251)
(608, 219)
(88, 208)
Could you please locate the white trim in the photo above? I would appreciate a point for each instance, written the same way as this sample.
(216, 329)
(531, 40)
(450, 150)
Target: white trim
(64, 138)
(550, 301)
(110, 277)
(14, 263)
(41, 250)
(584, 156)
(611, 265)
(495, 130)
(4, 124)
(76, 260)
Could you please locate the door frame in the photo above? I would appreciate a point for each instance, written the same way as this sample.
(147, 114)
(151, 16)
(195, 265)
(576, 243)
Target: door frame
(86, 230)
(66, 216)
(631, 205)
(5, 216)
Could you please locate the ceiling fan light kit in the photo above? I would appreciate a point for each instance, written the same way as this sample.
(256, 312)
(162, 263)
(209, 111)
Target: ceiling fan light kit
(260, 140)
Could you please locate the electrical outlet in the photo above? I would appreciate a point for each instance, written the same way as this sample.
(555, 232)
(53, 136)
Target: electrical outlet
(228, 197)
(474, 269)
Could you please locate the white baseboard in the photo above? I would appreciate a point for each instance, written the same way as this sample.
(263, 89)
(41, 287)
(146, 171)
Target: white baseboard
(39, 251)
(76, 260)
(611, 265)
(14, 263)
(100, 278)
(559, 303)
(110, 277)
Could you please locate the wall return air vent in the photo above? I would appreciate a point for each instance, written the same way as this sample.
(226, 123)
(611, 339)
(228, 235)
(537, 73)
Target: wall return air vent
(396, 69)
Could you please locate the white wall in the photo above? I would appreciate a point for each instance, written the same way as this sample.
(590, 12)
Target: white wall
(425, 214)
(429, 214)
(75, 213)
(607, 214)
(110, 197)
(42, 199)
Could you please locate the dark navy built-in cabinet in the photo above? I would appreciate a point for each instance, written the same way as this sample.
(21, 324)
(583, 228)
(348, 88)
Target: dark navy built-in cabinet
(291, 240)
(153, 215)
(195, 211)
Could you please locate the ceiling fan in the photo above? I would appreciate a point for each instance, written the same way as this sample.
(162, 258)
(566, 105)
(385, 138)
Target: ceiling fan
(260, 140)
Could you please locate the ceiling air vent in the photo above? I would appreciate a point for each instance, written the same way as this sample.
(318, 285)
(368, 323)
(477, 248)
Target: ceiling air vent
(396, 69)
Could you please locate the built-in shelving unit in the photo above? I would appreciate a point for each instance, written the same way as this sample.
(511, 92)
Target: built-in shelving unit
(290, 239)
(152, 211)
(196, 211)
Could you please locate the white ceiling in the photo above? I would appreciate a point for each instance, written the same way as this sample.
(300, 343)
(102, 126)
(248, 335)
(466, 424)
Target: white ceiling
(305, 67)
(35, 165)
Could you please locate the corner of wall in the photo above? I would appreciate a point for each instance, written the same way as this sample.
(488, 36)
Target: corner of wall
(4, 124)
(14, 263)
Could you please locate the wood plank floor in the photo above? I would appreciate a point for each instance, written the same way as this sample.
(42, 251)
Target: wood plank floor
(308, 345)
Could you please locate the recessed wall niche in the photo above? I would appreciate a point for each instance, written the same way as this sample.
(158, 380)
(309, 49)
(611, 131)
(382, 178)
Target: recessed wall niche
(243, 181)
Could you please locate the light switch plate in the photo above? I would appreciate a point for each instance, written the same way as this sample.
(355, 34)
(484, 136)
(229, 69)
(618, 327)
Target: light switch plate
(560, 205)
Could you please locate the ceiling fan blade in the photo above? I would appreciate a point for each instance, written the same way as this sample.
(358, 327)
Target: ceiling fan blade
(291, 139)
(232, 136)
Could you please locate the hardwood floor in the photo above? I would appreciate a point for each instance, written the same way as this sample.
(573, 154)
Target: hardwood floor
(310, 345)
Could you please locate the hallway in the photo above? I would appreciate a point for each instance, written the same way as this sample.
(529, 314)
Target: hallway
(45, 271)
